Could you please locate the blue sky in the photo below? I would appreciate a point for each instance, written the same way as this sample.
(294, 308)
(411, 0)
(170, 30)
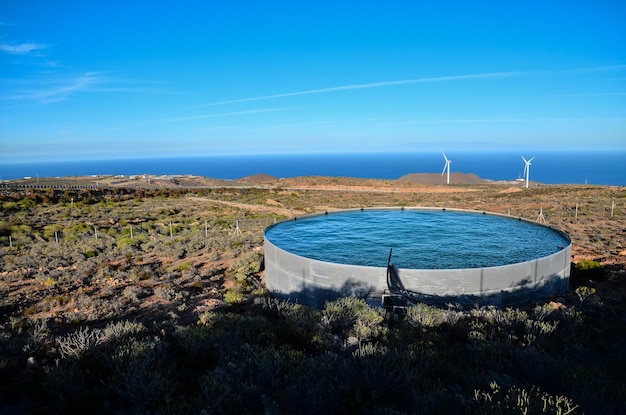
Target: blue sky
(89, 80)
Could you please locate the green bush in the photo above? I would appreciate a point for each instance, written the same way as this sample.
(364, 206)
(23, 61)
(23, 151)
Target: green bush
(127, 241)
(351, 321)
(233, 297)
(424, 315)
(50, 231)
(588, 265)
(589, 269)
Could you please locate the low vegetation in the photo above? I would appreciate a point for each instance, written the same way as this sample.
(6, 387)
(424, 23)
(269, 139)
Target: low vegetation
(124, 300)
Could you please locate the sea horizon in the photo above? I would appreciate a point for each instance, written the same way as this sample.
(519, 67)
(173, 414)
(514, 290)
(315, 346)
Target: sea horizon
(572, 167)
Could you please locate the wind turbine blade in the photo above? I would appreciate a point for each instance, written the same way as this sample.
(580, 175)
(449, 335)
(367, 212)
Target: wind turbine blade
(444, 169)
(524, 159)
(530, 160)
(444, 155)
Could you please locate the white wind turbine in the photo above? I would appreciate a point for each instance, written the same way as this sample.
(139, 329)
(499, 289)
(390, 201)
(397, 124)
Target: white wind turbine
(527, 169)
(446, 167)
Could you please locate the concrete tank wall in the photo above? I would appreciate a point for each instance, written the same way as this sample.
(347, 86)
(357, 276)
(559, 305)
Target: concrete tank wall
(314, 282)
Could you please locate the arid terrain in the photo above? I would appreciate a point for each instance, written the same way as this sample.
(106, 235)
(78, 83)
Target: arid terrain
(102, 278)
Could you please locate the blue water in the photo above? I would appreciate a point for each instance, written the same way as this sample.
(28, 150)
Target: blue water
(551, 168)
(420, 239)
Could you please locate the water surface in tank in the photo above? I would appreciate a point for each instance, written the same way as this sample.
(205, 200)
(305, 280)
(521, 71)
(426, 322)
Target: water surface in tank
(420, 239)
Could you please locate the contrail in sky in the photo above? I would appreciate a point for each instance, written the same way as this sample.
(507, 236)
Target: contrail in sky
(371, 85)
(196, 117)
(224, 114)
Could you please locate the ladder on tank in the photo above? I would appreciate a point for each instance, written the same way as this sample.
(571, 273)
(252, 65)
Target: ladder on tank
(399, 297)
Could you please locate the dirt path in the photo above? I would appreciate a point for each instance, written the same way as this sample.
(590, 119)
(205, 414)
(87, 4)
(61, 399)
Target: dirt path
(250, 207)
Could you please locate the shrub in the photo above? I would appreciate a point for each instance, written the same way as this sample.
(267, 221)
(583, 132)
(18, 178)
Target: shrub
(168, 292)
(127, 241)
(184, 266)
(39, 335)
(249, 379)
(122, 329)
(521, 401)
(138, 373)
(423, 315)
(233, 297)
(384, 372)
(196, 341)
(50, 231)
(584, 292)
(58, 300)
(80, 342)
(49, 282)
(351, 320)
(134, 293)
(10, 206)
(589, 269)
(89, 254)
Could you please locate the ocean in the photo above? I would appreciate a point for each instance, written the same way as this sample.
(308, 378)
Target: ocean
(601, 168)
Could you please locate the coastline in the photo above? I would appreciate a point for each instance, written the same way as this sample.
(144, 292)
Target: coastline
(599, 168)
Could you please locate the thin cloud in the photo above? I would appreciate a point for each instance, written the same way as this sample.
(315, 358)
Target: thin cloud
(218, 115)
(50, 90)
(512, 120)
(332, 122)
(196, 117)
(601, 68)
(21, 48)
(64, 88)
(371, 85)
(487, 75)
(55, 64)
(598, 94)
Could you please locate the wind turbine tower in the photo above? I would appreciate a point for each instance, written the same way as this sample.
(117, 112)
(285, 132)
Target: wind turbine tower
(446, 167)
(527, 169)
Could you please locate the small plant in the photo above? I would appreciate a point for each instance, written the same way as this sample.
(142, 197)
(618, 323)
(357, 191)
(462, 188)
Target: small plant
(184, 266)
(350, 320)
(521, 401)
(133, 293)
(584, 292)
(49, 282)
(233, 297)
(122, 329)
(423, 315)
(17, 324)
(39, 335)
(126, 241)
(165, 292)
(80, 342)
(58, 300)
(589, 269)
